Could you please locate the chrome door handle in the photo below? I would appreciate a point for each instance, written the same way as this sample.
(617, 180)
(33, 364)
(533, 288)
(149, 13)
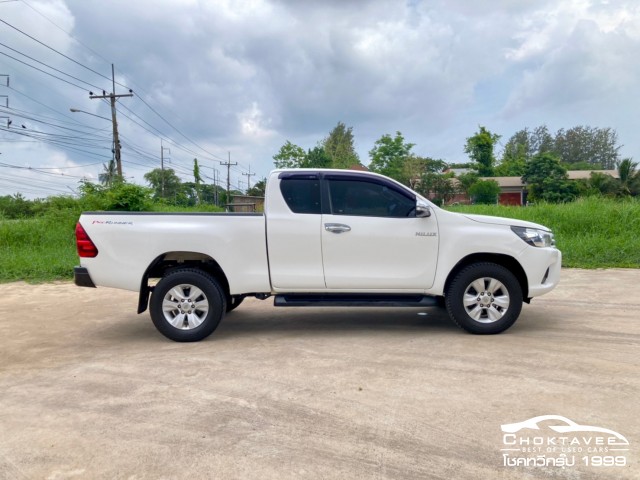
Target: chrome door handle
(337, 227)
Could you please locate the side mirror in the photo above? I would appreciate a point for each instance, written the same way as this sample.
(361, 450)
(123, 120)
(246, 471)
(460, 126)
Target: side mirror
(422, 209)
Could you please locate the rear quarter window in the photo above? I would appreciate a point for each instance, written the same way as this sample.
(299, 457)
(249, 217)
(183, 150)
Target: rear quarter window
(302, 195)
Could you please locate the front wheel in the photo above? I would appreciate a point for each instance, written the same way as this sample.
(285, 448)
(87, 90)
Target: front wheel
(484, 298)
(187, 305)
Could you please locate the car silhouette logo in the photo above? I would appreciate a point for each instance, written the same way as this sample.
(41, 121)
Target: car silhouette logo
(564, 425)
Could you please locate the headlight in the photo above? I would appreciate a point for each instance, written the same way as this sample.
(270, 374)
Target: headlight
(535, 237)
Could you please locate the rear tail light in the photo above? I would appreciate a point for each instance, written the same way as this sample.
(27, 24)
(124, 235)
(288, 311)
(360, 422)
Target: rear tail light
(86, 248)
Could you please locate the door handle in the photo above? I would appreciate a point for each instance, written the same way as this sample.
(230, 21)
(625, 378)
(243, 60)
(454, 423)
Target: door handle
(337, 227)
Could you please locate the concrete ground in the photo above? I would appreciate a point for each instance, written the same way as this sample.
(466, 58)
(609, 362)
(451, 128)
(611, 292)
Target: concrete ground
(89, 389)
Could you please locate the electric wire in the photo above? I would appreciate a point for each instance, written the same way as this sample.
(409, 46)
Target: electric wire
(53, 49)
(63, 30)
(43, 71)
(49, 66)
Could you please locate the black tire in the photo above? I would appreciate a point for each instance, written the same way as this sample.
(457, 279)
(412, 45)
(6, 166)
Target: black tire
(234, 302)
(491, 316)
(196, 323)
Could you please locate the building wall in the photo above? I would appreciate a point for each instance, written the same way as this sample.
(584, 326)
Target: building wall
(245, 203)
(510, 198)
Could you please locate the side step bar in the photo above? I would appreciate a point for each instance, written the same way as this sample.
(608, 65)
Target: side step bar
(353, 300)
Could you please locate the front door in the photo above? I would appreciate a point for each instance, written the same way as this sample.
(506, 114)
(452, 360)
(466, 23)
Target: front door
(371, 238)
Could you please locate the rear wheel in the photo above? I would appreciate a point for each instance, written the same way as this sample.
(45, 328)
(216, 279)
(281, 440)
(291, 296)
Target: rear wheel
(187, 305)
(484, 298)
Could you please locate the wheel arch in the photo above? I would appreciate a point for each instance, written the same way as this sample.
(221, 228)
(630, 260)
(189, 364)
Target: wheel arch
(506, 261)
(169, 261)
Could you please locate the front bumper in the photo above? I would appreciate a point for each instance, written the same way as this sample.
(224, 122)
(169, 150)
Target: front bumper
(543, 269)
(82, 278)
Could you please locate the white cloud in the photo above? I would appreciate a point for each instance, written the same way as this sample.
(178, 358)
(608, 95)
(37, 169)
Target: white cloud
(247, 75)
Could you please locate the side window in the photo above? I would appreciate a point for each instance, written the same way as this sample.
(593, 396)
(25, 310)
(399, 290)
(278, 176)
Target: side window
(371, 199)
(301, 194)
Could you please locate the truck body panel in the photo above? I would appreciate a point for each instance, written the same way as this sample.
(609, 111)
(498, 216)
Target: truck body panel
(327, 232)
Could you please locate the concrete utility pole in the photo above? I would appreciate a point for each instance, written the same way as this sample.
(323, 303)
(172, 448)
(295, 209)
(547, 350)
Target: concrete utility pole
(249, 175)
(112, 97)
(162, 149)
(228, 165)
(7, 97)
(216, 177)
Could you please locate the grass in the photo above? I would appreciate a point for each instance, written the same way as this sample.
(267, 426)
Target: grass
(591, 232)
(38, 249)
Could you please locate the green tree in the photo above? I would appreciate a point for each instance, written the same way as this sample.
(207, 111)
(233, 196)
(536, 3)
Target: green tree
(389, 155)
(627, 174)
(339, 145)
(480, 149)
(437, 187)
(109, 173)
(514, 167)
(525, 144)
(208, 194)
(258, 190)
(484, 191)
(415, 167)
(197, 180)
(603, 184)
(547, 180)
(317, 158)
(466, 181)
(290, 155)
(597, 146)
(165, 184)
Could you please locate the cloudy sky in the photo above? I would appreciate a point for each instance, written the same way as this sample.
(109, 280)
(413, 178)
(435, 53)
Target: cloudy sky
(243, 76)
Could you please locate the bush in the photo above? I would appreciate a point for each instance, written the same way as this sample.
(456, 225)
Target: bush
(120, 196)
(15, 206)
(128, 197)
(484, 191)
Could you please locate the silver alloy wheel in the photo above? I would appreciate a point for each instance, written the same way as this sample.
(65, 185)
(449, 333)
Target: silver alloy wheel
(486, 300)
(185, 306)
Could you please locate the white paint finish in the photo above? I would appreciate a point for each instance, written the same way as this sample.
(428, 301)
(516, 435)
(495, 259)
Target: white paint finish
(295, 251)
(377, 255)
(380, 253)
(237, 243)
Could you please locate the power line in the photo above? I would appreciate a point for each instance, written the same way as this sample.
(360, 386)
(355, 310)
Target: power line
(43, 71)
(49, 66)
(51, 141)
(176, 129)
(35, 119)
(63, 30)
(53, 49)
(44, 105)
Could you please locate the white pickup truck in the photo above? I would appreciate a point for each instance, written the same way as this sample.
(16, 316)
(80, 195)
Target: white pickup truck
(327, 238)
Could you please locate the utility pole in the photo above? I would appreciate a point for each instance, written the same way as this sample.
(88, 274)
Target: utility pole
(215, 185)
(7, 97)
(228, 165)
(112, 97)
(162, 149)
(249, 175)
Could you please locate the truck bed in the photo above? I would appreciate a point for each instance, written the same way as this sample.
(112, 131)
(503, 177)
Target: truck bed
(128, 243)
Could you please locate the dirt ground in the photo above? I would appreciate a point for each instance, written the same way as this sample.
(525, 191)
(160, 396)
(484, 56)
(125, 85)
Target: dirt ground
(90, 390)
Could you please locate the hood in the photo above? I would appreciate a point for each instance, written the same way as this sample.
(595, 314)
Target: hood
(504, 221)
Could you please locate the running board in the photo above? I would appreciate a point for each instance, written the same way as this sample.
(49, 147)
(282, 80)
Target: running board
(353, 300)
